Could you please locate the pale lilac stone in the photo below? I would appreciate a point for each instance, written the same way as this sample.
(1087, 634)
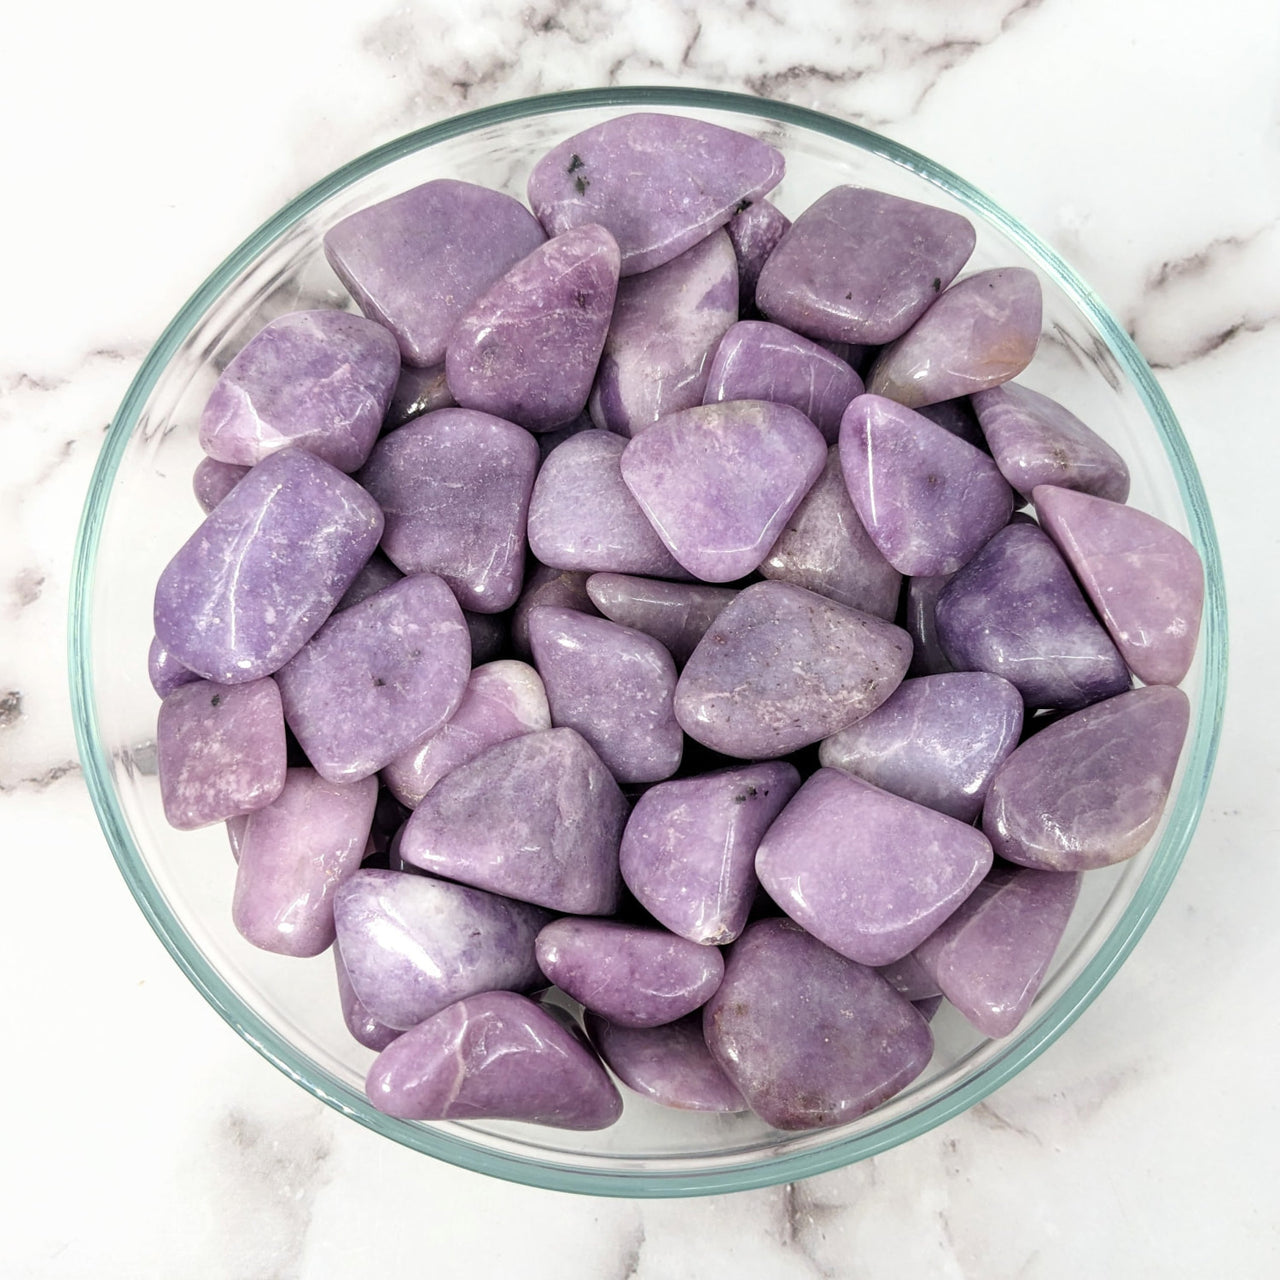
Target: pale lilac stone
(665, 327)
(927, 499)
(719, 482)
(213, 480)
(320, 380)
(688, 851)
(659, 183)
(538, 818)
(165, 672)
(294, 853)
(550, 588)
(614, 685)
(862, 266)
(220, 751)
(867, 872)
(364, 1027)
(378, 678)
(927, 658)
(980, 333)
(755, 233)
(496, 1055)
(958, 418)
(809, 1037)
(909, 979)
(377, 573)
(489, 633)
(782, 667)
(502, 700)
(412, 944)
(760, 361)
(676, 613)
(937, 740)
(417, 261)
(418, 391)
(1088, 790)
(632, 975)
(454, 487)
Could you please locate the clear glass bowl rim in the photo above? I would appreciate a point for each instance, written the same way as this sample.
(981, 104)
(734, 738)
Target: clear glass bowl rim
(785, 1167)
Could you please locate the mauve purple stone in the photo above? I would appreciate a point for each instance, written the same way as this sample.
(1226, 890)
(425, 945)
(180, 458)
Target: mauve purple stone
(909, 979)
(213, 480)
(958, 419)
(165, 672)
(364, 1027)
(927, 658)
(676, 613)
(418, 391)
(377, 573)
(550, 588)
(755, 233)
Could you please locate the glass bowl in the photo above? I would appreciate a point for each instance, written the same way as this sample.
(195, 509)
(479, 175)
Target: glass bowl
(140, 509)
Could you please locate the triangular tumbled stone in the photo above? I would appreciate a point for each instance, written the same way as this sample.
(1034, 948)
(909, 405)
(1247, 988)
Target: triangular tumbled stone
(676, 613)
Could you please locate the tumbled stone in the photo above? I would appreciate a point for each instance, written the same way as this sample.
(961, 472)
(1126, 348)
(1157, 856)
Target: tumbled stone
(1144, 578)
(254, 582)
(867, 872)
(937, 740)
(719, 482)
(364, 1027)
(927, 658)
(688, 851)
(164, 671)
(927, 499)
(614, 685)
(294, 853)
(1089, 789)
(908, 977)
(755, 233)
(958, 418)
(980, 333)
(548, 440)
(1016, 611)
(213, 480)
(538, 818)
(676, 613)
(527, 350)
(418, 391)
(496, 1055)
(551, 588)
(378, 678)
(659, 183)
(862, 266)
(235, 833)
(377, 573)
(454, 487)
(665, 327)
(782, 667)
(417, 261)
(809, 1037)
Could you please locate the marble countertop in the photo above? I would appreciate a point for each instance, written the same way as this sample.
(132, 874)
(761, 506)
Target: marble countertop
(142, 139)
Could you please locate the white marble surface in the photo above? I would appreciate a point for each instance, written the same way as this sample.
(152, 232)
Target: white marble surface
(142, 1138)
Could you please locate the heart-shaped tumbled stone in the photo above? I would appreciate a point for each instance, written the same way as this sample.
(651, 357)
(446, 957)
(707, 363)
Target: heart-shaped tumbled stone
(676, 613)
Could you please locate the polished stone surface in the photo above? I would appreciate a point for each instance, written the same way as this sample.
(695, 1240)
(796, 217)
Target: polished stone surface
(213, 480)
(552, 588)
(418, 391)
(676, 613)
(364, 1027)
(755, 233)
(164, 671)
(927, 658)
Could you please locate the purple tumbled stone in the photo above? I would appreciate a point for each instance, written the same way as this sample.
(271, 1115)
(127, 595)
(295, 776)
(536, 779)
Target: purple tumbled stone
(937, 740)
(377, 573)
(676, 613)
(688, 851)
(417, 261)
(614, 685)
(213, 480)
(782, 667)
(294, 853)
(378, 678)
(958, 419)
(659, 183)
(418, 391)
(1016, 611)
(927, 658)
(867, 872)
(809, 1037)
(862, 266)
(755, 233)
(1144, 578)
(1089, 789)
(549, 440)
(364, 1027)
(165, 672)
(909, 979)
(235, 833)
(719, 482)
(538, 818)
(927, 499)
(496, 1055)
(980, 333)
(551, 588)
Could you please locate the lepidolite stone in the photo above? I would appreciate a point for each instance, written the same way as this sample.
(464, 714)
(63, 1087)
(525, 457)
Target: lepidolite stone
(254, 582)
(165, 672)
(688, 851)
(980, 333)
(320, 380)
(676, 613)
(755, 233)
(1144, 578)
(213, 480)
(378, 678)
(364, 1027)
(958, 418)
(413, 944)
(538, 818)
(782, 667)
(454, 487)
(549, 588)
(659, 183)
(665, 327)
(862, 266)
(807, 1036)
(377, 573)
(928, 499)
(719, 482)
(927, 658)
(1015, 610)
(909, 978)
(418, 391)
(990, 957)
(528, 349)
(220, 751)
(937, 740)
(496, 1055)
(294, 853)
(1089, 789)
(614, 685)
(417, 261)
(760, 361)
(634, 976)
(867, 872)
